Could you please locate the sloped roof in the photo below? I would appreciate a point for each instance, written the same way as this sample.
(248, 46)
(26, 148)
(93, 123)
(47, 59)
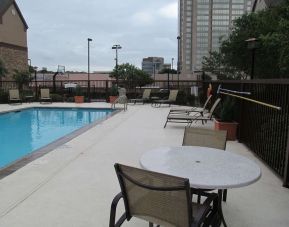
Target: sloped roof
(5, 4)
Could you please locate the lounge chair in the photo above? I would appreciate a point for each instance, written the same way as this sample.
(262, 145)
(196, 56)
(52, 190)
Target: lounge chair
(172, 99)
(206, 138)
(160, 199)
(14, 96)
(189, 119)
(45, 95)
(121, 99)
(145, 97)
(193, 109)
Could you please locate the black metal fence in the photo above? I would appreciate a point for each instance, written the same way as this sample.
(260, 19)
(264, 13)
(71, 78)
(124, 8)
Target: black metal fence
(264, 130)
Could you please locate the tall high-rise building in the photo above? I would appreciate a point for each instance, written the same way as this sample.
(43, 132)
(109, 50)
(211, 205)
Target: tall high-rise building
(203, 24)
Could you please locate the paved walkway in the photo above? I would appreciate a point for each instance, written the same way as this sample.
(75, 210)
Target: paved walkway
(73, 185)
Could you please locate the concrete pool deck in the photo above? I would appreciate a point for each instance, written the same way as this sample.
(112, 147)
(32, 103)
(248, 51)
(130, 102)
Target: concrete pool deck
(73, 185)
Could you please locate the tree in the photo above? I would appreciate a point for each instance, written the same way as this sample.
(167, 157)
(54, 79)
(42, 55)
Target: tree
(22, 78)
(3, 70)
(131, 75)
(216, 64)
(271, 28)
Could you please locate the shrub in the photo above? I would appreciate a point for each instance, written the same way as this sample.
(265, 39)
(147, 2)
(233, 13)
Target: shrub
(3, 96)
(56, 98)
(225, 112)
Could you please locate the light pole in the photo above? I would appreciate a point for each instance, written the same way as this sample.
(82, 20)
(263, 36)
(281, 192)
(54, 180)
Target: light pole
(178, 63)
(116, 47)
(252, 45)
(172, 67)
(88, 70)
(154, 68)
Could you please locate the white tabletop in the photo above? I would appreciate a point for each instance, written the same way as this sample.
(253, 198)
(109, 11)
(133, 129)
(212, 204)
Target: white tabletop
(206, 168)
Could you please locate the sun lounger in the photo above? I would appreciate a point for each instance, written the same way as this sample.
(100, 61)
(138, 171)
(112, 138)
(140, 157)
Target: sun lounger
(45, 95)
(14, 96)
(172, 99)
(145, 97)
(193, 109)
(189, 119)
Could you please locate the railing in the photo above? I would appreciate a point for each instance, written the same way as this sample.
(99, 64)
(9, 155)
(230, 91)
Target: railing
(264, 130)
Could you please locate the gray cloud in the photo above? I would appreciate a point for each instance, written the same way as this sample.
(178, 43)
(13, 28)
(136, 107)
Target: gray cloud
(58, 31)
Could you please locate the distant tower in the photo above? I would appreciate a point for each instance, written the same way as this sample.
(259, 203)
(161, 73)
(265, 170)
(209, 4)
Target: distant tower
(152, 65)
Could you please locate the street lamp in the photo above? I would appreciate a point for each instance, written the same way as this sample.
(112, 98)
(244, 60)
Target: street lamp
(178, 63)
(116, 47)
(253, 44)
(88, 70)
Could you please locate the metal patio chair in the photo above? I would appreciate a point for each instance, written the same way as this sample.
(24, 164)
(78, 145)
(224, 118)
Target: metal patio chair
(121, 99)
(189, 119)
(171, 99)
(190, 110)
(160, 199)
(145, 97)
(45, 95)
(14, 96)
(206, 138)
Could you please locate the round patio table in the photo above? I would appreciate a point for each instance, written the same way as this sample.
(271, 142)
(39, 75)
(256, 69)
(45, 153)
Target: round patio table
(206, 168)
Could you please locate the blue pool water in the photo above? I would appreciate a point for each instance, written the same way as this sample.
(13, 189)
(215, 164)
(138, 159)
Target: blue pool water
(23, 132)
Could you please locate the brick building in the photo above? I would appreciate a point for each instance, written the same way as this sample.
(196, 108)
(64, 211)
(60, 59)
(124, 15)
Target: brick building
(13, 37)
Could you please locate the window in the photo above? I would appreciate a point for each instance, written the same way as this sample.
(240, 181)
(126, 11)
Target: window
(203, 18)
(202, 22)
(220, 17)
(202, 28)
(237, 12)
(217, 22)
(237, 6)
(237, 1)
(220, 6)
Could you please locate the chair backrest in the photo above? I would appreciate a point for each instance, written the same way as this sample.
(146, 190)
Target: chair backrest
(122, 92)
(207, 102)
(205, 138)
(173, 95)
(155, 197)
(14, 94)
(44, 93)
(146, 93)
(213, 108)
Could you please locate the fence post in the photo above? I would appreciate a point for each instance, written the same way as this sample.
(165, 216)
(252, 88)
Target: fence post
(286, 173)
(106, 91)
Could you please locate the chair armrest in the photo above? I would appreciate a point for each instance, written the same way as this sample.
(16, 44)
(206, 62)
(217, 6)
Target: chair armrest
(113, 212)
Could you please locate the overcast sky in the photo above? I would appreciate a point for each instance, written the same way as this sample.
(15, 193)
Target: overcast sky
(58, 31)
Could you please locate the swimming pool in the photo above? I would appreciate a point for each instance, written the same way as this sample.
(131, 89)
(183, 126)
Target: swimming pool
(24, 131)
